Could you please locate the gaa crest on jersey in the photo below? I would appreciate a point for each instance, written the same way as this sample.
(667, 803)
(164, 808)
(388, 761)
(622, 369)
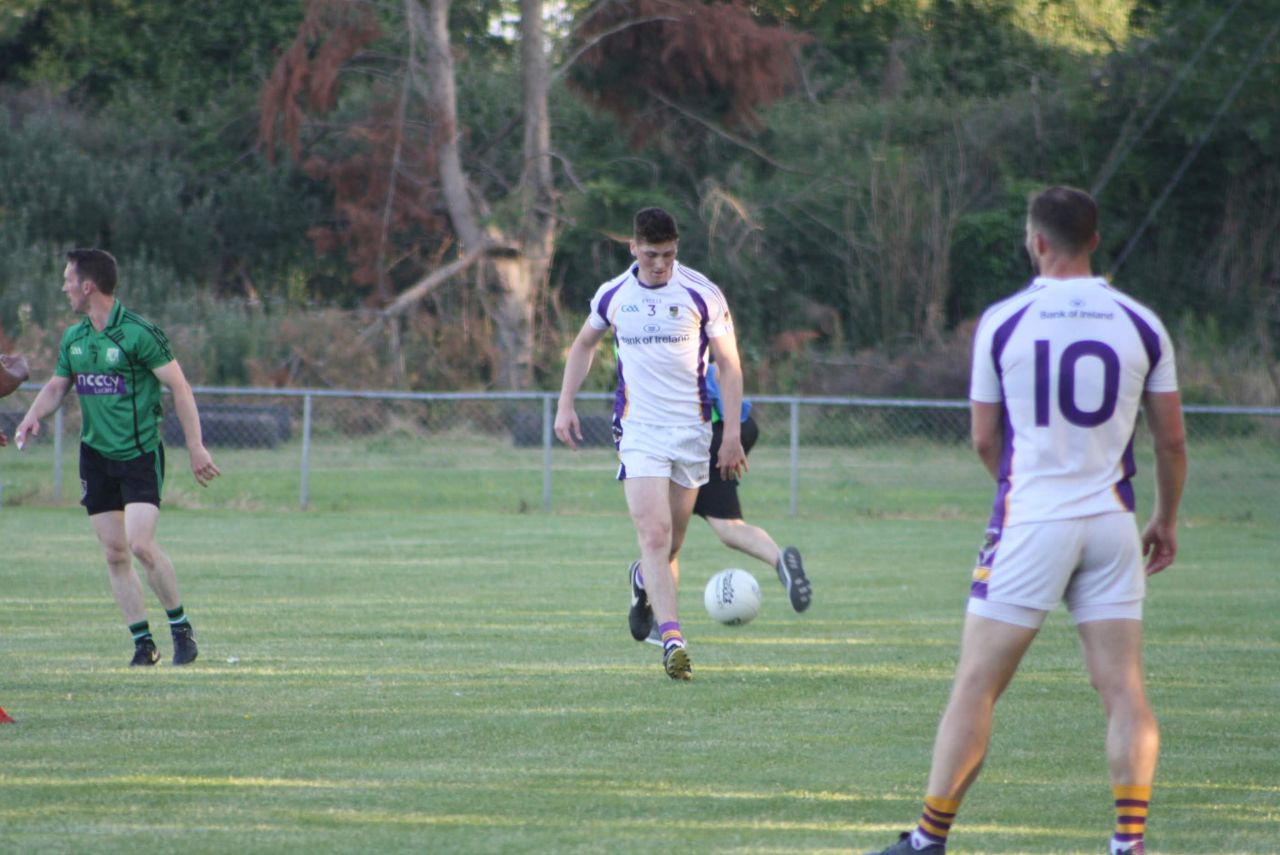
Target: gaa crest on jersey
(113, 355)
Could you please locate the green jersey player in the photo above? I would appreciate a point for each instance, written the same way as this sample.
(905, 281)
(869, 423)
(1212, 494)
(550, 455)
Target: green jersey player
(117, 362)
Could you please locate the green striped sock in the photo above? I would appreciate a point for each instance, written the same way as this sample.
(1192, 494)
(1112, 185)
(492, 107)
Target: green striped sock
(177, 617)
(141, 631)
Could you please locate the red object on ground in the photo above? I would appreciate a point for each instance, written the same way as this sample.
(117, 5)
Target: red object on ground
(4, 717)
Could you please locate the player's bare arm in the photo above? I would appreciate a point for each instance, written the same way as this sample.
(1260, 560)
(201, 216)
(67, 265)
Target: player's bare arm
(184, 404)
(576, 366)
(986, 428)
(1164, 418)
(46, 402)
(732, 460)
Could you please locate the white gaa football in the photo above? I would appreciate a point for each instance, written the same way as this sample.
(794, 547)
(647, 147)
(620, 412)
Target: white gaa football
(732, 596)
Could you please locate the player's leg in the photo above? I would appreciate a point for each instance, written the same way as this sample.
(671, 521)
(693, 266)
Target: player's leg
(649, 504)
(1113, 654)
(140, 522)
(126, 587)
(744, 537)
(989, 656)
(1105, 599)
(682, 500)
(103, 499)
(1024, 564)
(990, 652)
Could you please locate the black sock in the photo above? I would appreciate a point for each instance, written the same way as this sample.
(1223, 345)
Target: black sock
(141, 632)
(177, 617)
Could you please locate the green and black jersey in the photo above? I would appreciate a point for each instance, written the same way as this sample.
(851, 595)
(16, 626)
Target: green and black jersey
(112, 372)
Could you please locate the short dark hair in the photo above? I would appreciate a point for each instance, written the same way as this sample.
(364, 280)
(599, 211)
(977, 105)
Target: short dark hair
(1067, 217)
(97, 265)
(654, 225)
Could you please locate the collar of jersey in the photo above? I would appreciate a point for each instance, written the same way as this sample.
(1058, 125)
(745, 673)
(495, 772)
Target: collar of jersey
(635, 274)
(117, 312)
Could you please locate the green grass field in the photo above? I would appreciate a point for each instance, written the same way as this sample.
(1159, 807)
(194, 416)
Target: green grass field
(436, 671)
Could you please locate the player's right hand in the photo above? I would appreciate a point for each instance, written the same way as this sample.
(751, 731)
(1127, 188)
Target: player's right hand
(27, 427)
(567, 427)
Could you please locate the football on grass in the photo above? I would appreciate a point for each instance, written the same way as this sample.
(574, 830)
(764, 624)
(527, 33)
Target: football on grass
(732, 597)
(13, 373)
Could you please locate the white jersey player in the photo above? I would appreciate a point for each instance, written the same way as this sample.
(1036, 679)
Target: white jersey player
(666, 319)
(662, 334)
(1060, 371)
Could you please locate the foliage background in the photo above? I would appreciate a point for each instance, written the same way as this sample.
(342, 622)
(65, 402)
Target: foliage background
(858, 228)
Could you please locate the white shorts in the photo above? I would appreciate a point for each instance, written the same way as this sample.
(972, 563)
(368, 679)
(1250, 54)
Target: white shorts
(680, 453)
(1094, 564)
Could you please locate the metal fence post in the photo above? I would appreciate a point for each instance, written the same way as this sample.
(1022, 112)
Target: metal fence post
(546, 454)
(305, 489)
(57, 455)
(795, 457)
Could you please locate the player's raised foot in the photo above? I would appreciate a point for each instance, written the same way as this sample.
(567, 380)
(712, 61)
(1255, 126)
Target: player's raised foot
(904, 847)
(676, 661)
(184, 644)
(145, 653)
(791, 574)
(641, 615)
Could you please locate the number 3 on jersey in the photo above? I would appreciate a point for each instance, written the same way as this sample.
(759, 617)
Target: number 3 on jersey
(1068, 363)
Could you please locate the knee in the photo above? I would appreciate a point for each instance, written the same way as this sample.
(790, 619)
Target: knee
(657, 538)
(118, 557)
(144, 552)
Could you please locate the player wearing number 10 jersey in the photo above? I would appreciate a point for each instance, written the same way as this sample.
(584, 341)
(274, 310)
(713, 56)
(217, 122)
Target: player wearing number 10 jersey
(1060, 371)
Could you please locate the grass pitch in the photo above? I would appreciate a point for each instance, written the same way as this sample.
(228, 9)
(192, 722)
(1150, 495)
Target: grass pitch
(409, 678)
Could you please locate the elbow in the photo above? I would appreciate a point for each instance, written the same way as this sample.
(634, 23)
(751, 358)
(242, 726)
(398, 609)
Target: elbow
(986, 447)
(1172, 447)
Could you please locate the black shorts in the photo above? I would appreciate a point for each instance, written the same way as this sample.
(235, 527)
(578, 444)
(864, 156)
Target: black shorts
(109, 485)
(719, 498)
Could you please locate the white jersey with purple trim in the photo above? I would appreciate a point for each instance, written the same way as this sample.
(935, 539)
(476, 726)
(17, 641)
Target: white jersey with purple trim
(662, 336)
(1070, 360)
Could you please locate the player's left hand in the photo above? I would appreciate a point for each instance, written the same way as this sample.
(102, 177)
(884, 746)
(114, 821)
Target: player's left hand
(202, 465)
(1160, 546)
(732, 460)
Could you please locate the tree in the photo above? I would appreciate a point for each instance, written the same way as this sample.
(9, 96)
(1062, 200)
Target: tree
(393, 181)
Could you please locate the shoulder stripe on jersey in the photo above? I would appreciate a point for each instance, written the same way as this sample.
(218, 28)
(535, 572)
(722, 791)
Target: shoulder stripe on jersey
(1002, 335)
(155, 331)
(701, 303)
(602, 309)
(698, 279)
(1150, 338)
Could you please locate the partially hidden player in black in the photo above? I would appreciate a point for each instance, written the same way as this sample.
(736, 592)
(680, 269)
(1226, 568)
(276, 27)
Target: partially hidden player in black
(718, 504)
(117, 361)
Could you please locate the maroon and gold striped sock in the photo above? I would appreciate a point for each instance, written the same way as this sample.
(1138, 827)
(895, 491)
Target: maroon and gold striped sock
(671, 635)
(935, 821)
(1132, 804)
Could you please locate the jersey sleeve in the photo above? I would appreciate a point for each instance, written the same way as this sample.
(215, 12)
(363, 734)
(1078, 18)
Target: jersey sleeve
(1164, 374)
(984, 379)
(599, 316)
(719, 321)
(153, 349)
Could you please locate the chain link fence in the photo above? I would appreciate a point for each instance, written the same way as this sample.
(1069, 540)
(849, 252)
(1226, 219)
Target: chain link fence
(817, 457)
